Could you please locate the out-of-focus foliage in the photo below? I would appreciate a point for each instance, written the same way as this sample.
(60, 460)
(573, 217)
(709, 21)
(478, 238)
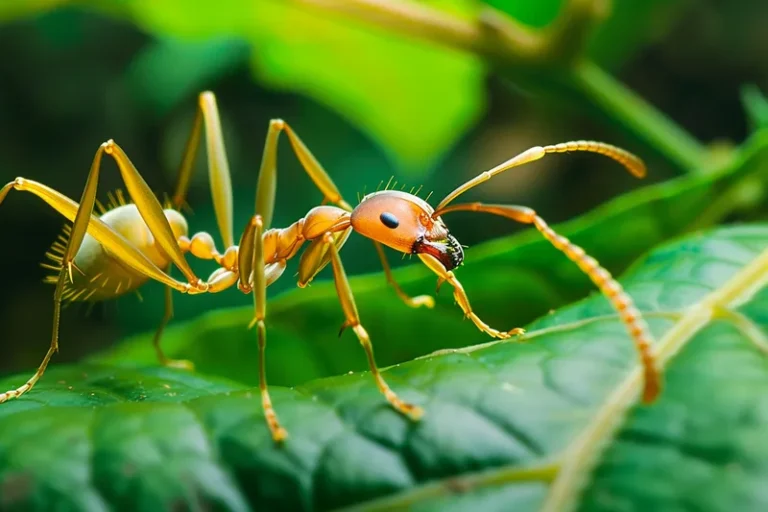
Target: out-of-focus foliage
(627, 26)
(99, 437)
(756, 106)
(415, 99)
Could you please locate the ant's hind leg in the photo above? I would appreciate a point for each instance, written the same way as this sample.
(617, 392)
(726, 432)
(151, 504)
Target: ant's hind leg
(83, 222)
(352, 319)
(16, 393)
(207, 115)
(67, 262)
(182, 364)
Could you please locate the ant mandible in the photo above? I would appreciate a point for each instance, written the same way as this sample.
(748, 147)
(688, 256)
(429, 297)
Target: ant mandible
(102, 257)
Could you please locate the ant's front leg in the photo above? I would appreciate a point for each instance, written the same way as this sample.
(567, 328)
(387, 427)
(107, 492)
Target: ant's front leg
(461, 298)
(420, 300)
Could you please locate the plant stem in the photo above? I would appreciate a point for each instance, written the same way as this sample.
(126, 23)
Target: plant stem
(508, 45)
(623, 106)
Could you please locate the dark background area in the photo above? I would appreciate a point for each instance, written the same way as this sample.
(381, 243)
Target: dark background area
(66, 86)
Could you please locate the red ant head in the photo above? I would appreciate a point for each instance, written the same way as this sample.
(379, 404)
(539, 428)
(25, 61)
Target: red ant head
(404, 222)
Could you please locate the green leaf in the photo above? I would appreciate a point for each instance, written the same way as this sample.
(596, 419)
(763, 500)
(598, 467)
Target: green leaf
(12, 10)
(414, 98)
(510, 282)
(628, 24)
(194, 65)
(756, 106)
(513, 426)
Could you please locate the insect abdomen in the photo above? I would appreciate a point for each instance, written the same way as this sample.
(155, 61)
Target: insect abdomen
(98, 275)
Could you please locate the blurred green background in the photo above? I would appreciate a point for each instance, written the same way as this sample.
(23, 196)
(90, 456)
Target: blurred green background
(370, 104)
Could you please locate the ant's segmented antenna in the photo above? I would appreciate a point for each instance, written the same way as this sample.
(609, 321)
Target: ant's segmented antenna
(620, 300)
(632, 163)
(613, 291)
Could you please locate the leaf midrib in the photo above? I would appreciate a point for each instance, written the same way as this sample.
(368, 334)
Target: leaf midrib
(570, 469)
(581, 455)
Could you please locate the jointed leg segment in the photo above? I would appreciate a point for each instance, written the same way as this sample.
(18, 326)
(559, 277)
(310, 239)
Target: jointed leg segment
(260, 312)
(461, 298)
(352, 319)
(622, 302)
(167, 316)
(265, 198)
(414, 302)
(15, 393)
(84, 222)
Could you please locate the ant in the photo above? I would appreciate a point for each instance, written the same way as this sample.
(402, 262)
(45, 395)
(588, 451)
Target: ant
(105, 256)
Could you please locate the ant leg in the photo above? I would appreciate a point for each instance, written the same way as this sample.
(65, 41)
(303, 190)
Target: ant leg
(16, 393)
(267, 184)
(221, 189)
(620, 300)
(218, 167)
(167, 315)
(352, 319)
(462, 300)
(104, 234)
(633, 164)
(414, 302)
(84, 222)
(151, 211)
(254, 234)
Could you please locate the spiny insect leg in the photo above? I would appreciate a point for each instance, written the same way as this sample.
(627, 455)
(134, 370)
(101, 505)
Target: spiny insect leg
(352, 319)
(279, 434)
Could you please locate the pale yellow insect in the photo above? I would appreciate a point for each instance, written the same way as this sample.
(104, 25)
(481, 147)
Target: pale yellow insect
(109, 255)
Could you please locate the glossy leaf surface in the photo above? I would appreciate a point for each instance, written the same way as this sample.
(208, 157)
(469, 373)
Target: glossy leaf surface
(507, 425)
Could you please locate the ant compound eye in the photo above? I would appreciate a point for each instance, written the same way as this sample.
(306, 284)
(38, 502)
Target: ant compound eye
(389, 220)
